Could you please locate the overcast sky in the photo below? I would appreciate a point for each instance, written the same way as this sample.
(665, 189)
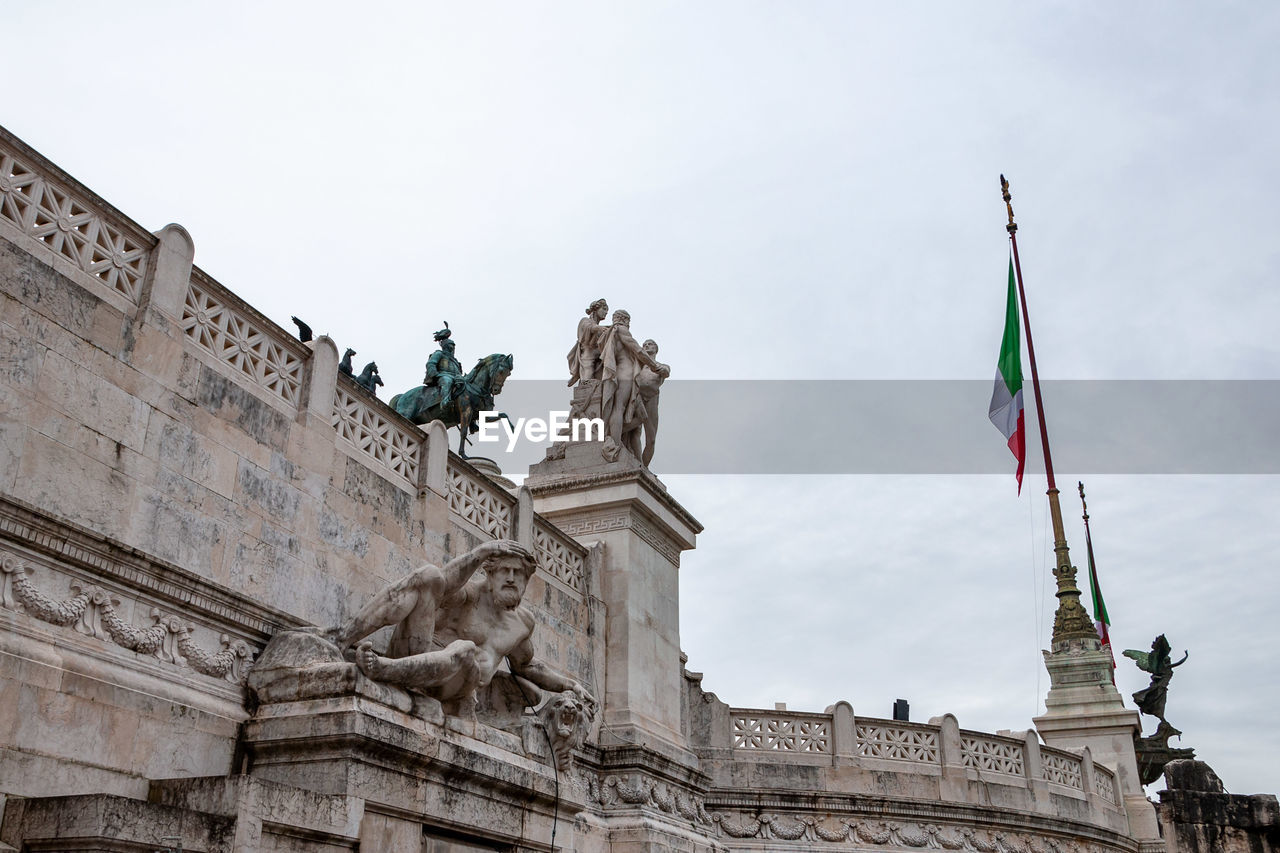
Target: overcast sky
(802, 190)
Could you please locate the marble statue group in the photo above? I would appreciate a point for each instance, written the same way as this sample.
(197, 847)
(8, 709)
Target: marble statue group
(617, 380)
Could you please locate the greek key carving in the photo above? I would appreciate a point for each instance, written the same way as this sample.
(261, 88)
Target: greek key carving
(624, 521)
(93, 613)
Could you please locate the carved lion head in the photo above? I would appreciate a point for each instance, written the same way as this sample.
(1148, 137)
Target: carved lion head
(566, 717)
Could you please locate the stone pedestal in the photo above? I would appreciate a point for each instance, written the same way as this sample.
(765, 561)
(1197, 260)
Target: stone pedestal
(409, 775)
(1084, 709)
(492, 471)
(644, 531)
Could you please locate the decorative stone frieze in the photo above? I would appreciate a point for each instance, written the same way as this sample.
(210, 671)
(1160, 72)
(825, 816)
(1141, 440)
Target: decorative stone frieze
(863, 832)
(633, 789)
(93, 612)
(608, 521)
(96, 556)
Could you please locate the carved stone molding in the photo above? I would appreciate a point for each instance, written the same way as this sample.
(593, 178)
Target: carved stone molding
(602, 522)
(93, 612)
(90, 553)
(559, 484)
(629, 790)
(895, 834)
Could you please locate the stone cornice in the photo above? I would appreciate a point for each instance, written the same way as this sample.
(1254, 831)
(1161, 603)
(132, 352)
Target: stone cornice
(70, 544)
(818, 804)
(641, 759)
(567, 483)
(618, 517)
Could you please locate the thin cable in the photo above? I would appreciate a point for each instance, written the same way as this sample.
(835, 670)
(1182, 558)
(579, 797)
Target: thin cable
(555, 768)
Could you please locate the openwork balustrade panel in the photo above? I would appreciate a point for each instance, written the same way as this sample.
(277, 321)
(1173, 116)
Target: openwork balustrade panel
(782, 732)
(234, 338)
(481, 504)
(59, 217)
(557, 556)
(991, 755)
(1063, 769)
(1104, 782)
(897, 743)
(375, 435)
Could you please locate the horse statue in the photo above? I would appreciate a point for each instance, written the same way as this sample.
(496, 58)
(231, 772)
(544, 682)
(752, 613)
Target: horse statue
(369, 379)
(473, 395)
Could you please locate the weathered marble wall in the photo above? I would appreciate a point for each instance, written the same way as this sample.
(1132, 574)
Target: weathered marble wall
(180, 478)
(1197, 814)
(221, 476)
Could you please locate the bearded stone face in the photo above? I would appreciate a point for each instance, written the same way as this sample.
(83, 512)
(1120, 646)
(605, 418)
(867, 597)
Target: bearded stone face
(507, 580)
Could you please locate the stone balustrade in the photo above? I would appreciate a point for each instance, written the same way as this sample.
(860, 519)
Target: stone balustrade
(559, 555)
(79, 233)
(933, 748)
(65, 224)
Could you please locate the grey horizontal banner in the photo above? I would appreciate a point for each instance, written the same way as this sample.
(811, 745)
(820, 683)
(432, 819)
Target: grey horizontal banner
(934, 427)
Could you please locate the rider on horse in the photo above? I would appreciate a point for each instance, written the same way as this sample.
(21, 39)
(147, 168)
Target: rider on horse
(443, 370)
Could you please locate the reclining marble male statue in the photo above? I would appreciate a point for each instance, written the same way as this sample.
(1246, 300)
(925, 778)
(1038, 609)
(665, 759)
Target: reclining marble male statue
(453, 626)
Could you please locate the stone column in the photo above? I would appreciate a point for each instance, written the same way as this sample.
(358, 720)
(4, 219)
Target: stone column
(644, 530)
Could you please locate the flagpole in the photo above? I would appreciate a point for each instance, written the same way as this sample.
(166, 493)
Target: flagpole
(1071, 621)
(1101, 620)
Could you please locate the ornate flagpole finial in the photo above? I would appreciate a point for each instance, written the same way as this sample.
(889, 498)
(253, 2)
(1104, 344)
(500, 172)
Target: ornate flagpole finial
(1008, 203)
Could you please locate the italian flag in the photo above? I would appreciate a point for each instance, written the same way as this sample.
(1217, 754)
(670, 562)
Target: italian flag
(1006, 400)
(1101, 621)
